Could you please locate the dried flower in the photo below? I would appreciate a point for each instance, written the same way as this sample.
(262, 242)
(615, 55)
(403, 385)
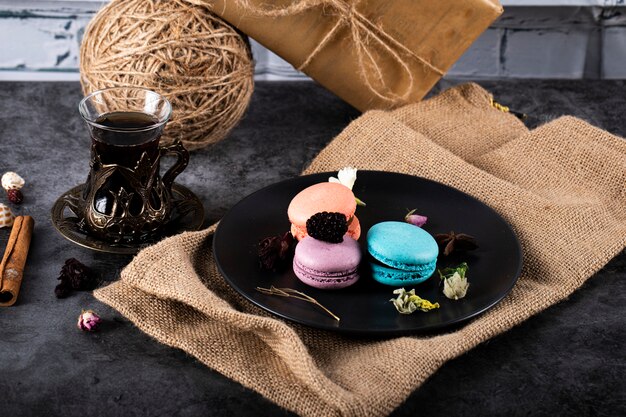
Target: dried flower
(75, 276)
(347, 177)
(408, 302)
(274, 249)
(12, 181)
(415, 219)
(88, 320)
(453, 242)
(6, 216)
(455, 283)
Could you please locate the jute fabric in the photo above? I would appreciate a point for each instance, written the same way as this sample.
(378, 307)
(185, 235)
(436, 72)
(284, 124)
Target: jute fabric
(561, 186)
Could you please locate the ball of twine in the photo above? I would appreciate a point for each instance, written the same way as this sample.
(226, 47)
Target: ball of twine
(182, 51)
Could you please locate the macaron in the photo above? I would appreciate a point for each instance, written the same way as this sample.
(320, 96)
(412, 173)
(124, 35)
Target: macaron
(403, 254)
(325, 196)
(327, 265)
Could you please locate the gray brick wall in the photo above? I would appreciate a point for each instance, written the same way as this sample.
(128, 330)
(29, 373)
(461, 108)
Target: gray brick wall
(534, 39)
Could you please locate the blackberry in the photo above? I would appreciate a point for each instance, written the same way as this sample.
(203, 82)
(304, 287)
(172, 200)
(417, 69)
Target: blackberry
(329, 227)
(15, 196)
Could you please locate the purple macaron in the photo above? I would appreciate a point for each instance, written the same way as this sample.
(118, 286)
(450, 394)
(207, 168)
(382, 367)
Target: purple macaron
(326, 265)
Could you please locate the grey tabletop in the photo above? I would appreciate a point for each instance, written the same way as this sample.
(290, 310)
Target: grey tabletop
(568, 360)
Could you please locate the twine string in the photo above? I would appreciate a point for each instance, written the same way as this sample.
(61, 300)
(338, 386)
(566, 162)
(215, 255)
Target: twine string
(180, 49)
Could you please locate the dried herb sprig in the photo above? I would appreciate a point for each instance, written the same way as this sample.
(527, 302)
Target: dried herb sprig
(291, 293)
(407, 302)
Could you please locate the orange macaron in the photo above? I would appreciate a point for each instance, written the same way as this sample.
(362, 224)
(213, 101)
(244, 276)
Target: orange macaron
(325, 196)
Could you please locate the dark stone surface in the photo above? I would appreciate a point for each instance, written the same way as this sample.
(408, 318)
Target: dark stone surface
(568, 360)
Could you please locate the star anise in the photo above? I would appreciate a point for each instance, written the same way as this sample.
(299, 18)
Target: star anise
(455, 242)
(275, 249)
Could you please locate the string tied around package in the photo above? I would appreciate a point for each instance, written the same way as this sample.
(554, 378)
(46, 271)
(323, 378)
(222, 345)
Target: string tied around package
(364, 34)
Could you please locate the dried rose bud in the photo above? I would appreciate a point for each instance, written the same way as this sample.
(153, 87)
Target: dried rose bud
(415, 219)
(15, 196)
(274, 249)
(88, 320)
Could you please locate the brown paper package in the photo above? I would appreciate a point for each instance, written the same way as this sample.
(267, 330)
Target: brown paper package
(437, 32)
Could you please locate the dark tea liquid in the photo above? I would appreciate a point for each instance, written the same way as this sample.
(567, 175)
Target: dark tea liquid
(125, 137)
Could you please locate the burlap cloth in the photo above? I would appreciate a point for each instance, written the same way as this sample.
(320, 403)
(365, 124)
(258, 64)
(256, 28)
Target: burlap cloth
(561, 186)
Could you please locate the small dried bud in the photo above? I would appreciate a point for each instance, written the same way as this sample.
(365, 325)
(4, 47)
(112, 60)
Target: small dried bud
(15, 196)
(88, 320)
(12, 181)
(415, 219)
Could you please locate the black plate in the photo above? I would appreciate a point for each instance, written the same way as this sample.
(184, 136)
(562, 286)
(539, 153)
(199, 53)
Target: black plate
(364, 308)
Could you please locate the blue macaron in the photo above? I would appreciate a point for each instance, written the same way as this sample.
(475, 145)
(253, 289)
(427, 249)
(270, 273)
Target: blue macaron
(403, 254)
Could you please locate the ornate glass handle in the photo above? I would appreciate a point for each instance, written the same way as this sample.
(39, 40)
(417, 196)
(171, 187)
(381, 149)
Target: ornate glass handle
(179, 166)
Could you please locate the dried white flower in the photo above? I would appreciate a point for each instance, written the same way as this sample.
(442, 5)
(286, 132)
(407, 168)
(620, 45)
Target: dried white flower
(347, 177)
(12, 181)
(455, 287)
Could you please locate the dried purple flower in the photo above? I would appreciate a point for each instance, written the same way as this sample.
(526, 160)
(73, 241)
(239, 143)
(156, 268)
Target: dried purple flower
(88, 320)
(415, 219)
(274, 249)
(75, 276)
(80, 276)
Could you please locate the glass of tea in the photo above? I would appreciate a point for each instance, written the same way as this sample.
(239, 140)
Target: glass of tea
(125, 198)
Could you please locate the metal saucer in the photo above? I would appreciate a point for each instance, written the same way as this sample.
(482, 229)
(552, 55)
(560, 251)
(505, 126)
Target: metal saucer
(187, 215)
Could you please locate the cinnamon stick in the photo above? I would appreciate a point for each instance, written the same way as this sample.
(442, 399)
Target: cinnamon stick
(14, 260)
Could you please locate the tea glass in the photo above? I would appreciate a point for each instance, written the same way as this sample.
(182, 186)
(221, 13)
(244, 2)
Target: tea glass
(125, 199)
